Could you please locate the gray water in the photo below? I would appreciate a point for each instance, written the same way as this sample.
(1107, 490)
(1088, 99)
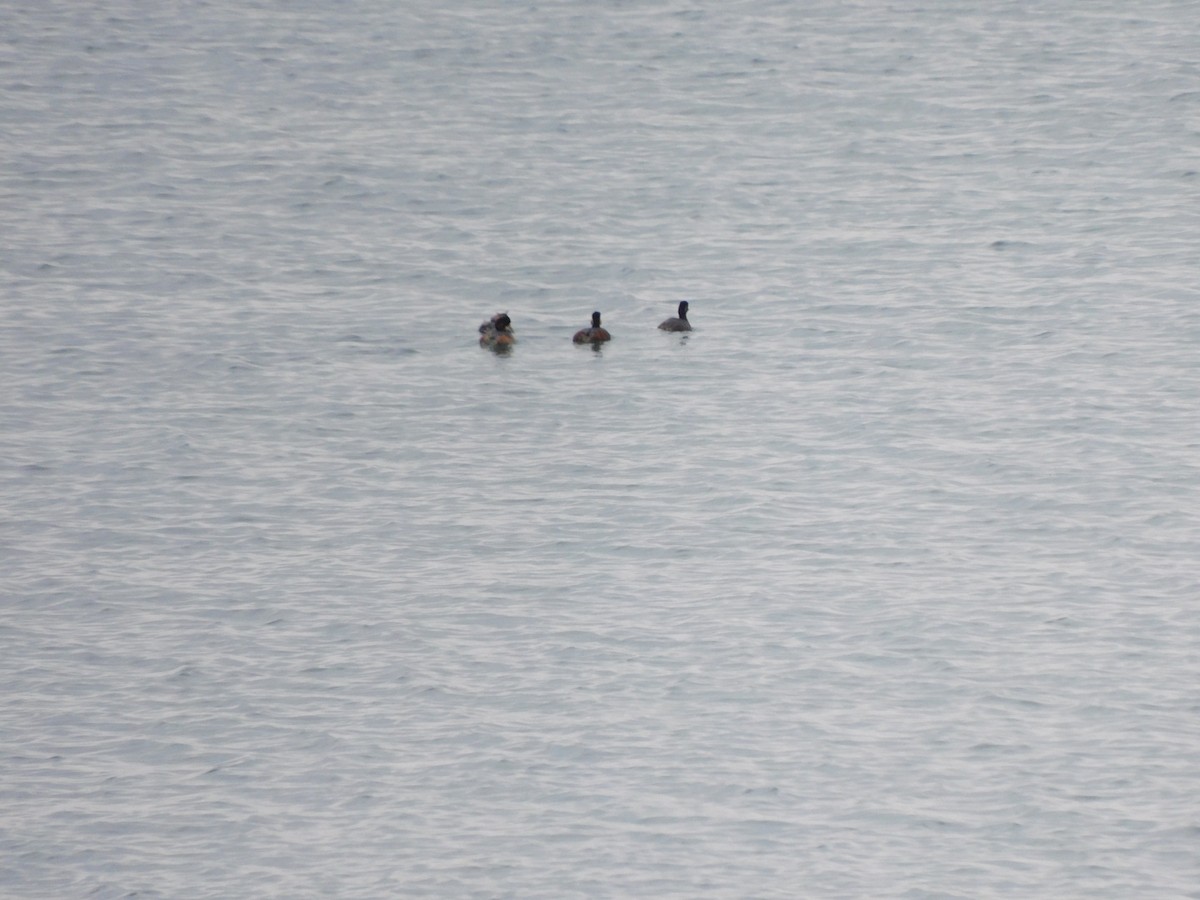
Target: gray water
(882, 582)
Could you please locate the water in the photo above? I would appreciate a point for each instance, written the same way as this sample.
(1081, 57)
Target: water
(882, 582)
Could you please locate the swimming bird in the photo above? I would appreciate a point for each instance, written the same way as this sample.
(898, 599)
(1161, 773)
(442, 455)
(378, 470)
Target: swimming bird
(497, 332)
(593, 335)
(680, 322)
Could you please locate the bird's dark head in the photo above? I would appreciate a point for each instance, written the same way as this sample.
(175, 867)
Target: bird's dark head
(596, 319)
(502, 321)
(683, 308)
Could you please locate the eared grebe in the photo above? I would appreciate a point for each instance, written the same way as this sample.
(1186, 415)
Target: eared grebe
(497, 332)
(593, 335)
(679, 322)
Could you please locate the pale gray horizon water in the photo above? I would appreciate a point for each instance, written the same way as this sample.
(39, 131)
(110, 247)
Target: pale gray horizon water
(880, 583)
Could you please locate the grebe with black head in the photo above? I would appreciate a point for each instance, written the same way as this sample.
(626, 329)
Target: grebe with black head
(679, 322)
(497, 332)
(593, 335)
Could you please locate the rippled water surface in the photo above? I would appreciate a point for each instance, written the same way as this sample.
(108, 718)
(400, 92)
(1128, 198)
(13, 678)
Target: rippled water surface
(880, 582)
